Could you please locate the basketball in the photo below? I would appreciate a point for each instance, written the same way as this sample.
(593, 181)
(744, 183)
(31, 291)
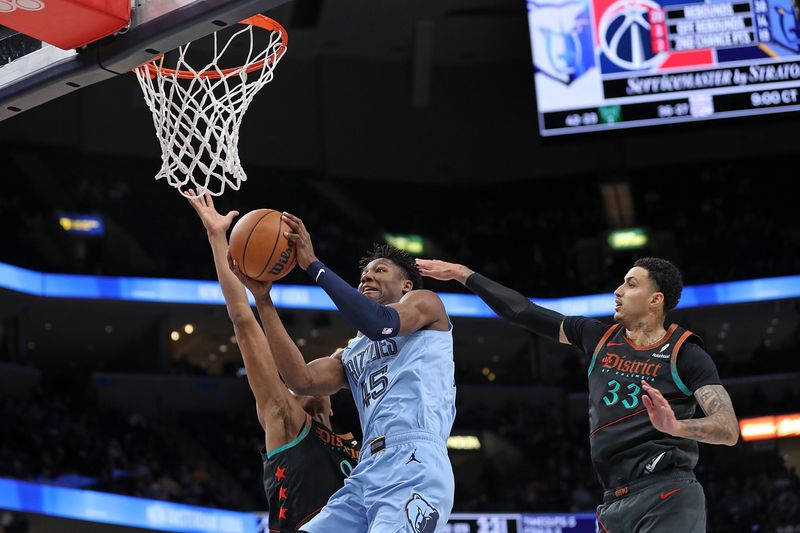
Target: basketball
(259, 246)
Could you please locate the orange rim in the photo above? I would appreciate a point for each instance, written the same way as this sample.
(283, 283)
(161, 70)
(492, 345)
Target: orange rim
(261, 21)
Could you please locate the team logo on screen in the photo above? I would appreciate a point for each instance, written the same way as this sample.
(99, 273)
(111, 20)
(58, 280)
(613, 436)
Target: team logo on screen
(9, 6)
(624, 32)
(562, 39)
(785, 27)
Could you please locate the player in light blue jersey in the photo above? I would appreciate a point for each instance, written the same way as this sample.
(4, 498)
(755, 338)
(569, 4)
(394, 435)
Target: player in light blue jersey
(400, 371)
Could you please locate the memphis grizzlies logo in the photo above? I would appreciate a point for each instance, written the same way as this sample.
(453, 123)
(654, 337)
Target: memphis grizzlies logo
(624, 32)
(784, 26)
(562, 38)
(421, 515)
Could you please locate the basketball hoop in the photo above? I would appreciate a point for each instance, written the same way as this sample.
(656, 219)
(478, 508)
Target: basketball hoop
(197, 112)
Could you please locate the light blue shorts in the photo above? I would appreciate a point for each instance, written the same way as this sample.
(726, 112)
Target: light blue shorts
(406, 487)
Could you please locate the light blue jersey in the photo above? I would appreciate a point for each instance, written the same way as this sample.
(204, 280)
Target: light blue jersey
(405, 392)
(403, 383)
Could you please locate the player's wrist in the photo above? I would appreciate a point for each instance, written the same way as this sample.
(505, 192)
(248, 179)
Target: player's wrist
(262, 297)
(677, 429)
(463, 273)
(215, 233)
(305, 263)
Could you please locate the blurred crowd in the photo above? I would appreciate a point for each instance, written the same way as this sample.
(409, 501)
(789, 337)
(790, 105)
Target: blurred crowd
(52, 438)
(532, 460)
(538, 236)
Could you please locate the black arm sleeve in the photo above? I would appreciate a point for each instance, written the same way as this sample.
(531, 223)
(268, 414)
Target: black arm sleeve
(696, 368)
(515, 308)
(584, 333)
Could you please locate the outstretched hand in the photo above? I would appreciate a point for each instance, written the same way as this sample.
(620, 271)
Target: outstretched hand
(212, 220)
(443, 271)
(259, 289)
(659, 410)
(301, 238)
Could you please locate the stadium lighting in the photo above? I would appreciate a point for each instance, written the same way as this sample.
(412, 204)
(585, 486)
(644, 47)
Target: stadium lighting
(81, 224)
(408, 243)
(628, 239)
(770, 427)
(463, 442)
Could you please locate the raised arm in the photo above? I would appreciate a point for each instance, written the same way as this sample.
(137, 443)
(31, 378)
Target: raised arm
(323, 376)
(506, 302)
(719, 426)
(279, 415)
(416, 310)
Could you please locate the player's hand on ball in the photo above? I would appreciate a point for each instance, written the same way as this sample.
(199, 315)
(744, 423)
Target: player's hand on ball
(443, 271)
(302, 239)
(659, 410)
(212, 220)
(259, 289)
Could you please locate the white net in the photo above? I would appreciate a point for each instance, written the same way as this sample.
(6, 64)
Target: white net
(197, 112)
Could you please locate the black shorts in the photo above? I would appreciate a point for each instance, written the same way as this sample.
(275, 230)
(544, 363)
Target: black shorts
(668, 503)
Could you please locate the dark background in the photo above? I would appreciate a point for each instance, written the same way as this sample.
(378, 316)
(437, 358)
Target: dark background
(415, 118)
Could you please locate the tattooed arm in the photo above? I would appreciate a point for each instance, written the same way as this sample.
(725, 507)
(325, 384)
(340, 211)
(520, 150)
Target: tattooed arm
(719, 426)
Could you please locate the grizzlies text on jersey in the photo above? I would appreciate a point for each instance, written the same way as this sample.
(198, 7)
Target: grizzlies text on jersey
(403, 383)
(404, 390)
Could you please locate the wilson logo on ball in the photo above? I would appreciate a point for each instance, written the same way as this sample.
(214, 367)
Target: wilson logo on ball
(285, 256)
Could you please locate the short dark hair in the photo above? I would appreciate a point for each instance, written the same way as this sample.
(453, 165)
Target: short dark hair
(666, 277)
(400, 258)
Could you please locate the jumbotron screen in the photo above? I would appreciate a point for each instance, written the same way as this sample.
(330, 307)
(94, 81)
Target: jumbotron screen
(608, 64)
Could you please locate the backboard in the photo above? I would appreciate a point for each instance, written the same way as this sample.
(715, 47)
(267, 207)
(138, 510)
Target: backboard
(33, 72)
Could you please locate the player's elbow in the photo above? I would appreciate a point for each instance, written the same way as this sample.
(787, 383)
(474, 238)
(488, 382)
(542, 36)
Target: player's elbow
(383, 329)
(374, 334)
(241, 316)
(301, 383)
(733, 437)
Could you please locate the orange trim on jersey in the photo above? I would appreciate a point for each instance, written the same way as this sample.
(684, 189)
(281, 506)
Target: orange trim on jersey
(628, 416)
(605, 529)
(664, 339)
(678, 345)
(308, 517)
(600, 344)
(605, 337)
(674, 362)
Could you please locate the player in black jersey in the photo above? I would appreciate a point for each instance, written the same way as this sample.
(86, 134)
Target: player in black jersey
(638, 366)
(304, 461)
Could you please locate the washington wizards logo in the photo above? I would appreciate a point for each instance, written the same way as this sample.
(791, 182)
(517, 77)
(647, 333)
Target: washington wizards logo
(624, 31)
(421, 515)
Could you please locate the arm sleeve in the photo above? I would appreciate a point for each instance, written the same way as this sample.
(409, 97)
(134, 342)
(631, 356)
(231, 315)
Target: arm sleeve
(584, 333)
(515, 307)
(373, 320)
(696, 368)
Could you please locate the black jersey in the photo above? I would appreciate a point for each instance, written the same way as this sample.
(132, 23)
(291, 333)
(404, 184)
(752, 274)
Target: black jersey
(300, 476)
(624, 444)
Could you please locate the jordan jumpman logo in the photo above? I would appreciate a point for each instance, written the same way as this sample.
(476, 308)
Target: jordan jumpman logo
(414, 457)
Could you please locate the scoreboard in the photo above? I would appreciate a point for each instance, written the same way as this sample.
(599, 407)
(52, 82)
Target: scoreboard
(521, 523)
(608, 64)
